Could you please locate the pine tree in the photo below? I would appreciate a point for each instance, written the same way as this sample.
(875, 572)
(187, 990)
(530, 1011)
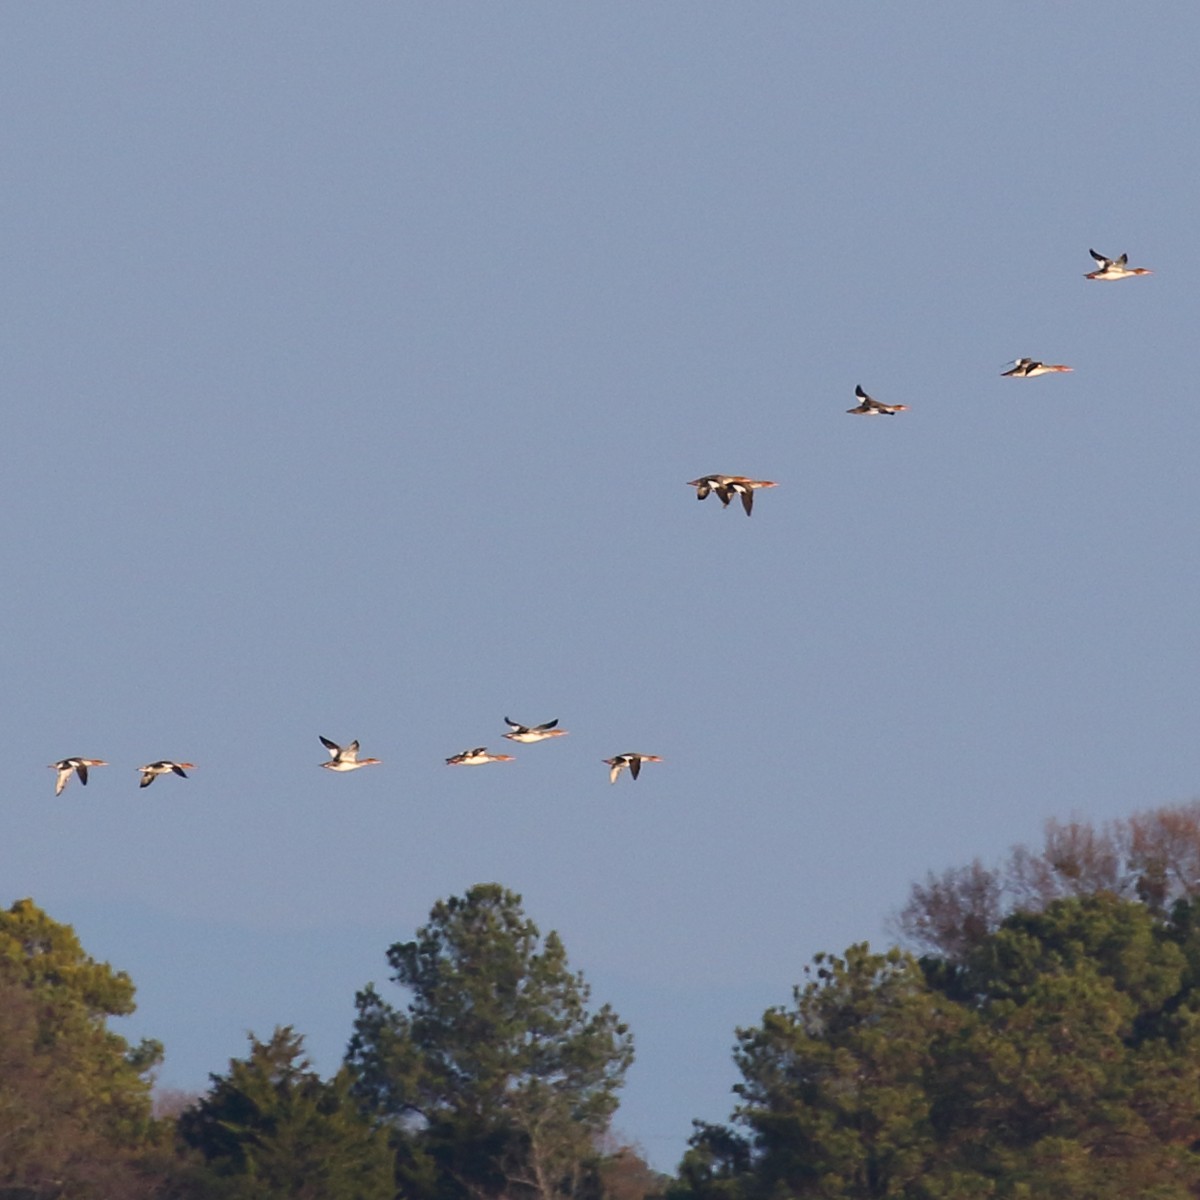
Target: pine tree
(496, 1075)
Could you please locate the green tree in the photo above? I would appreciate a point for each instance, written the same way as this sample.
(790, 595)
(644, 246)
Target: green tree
(272, 1127)
(836, 1090)
(497, 1077)
(75, 1115)
(1059, 1057)
(1081, 1076)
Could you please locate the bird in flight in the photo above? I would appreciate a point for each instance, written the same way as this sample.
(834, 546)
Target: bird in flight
(533, 733)
(345, 758)
(78, 765)
(1027, 368)
(1114, 268)
(870, 407)
(728, 486)
(163, 767)
(476, 758)
(633, 761)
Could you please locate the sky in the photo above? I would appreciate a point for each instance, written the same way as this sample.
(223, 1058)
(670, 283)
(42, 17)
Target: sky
(355, 359)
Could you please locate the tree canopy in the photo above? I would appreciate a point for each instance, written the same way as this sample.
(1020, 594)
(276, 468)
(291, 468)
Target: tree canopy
(1059, 1058)
(497, 1076)
(74, 1096)
(271, 1127)
(1046, 1046)
(1153, 857)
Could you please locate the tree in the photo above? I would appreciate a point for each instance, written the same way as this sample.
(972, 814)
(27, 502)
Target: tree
(1058, 1058)
(272, 1127)
(497, 1078)
(75, 1116)
(1152, 857)
(622, 1173)
(836, 1090)
(1080, 1076)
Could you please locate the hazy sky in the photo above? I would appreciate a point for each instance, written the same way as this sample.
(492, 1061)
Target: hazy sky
(355, 360)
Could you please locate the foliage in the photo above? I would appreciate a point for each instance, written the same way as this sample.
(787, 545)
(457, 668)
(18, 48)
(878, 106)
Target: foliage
(74, 1097)
(272, 1127)
(621, 1173)
(496, 1077)
(837, 1089)
(1060, 1057)
(1153, 857)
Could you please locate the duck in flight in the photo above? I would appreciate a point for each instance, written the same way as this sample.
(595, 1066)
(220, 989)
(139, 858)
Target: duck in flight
(1114, 268)
(345, 758)
(1027, 368)
(728, 486)
(633, 761)
(163, 767)
(870, 407)
(77, 765)
(533, 733)
(476, 758)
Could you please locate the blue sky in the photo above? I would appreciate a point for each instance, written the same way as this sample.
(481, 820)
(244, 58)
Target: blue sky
(355, 359)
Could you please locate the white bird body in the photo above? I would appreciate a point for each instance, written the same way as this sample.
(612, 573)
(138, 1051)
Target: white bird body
(345, 758)
(79, 766)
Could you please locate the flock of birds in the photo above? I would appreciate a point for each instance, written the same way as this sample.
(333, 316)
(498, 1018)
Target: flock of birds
(345, 758)
(67, 767)
(724, 487)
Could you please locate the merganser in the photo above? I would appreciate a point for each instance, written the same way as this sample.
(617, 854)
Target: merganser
(345, 758)
(871, 407)
(163, 767)
(533, 733)
(632, 761)
(1026, 368)
(476, 758)
(728, 486)
(78, 765)
(1114, 268)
